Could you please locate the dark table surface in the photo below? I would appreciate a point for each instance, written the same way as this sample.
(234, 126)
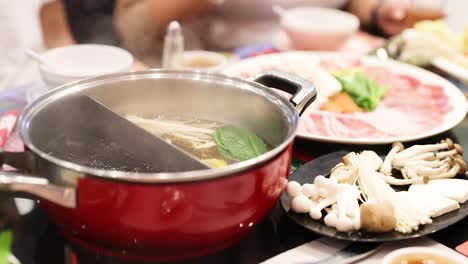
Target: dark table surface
(39, 241)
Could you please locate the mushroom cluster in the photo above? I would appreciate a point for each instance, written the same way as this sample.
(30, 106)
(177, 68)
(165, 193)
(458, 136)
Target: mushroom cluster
(339, 200)
(358, 193)
(421, 163)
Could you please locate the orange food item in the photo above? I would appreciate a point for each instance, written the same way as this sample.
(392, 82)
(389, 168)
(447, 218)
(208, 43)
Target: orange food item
(341, 103)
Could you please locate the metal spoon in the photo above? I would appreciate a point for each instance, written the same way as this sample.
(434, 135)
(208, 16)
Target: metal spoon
(391, 50)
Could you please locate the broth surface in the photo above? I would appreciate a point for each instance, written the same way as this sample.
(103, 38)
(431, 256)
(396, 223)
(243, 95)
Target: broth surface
(425, 258)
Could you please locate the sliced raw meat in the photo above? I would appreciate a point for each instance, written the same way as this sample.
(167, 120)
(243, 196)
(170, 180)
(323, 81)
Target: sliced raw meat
(334, 125)
(410, 107)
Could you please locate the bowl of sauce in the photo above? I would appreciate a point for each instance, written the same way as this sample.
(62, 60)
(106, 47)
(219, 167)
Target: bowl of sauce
(424, 255)
(202, 60)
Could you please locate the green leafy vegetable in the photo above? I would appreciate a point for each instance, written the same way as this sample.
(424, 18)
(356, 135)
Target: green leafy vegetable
(365, 92)
(6, 241)
(237, 143)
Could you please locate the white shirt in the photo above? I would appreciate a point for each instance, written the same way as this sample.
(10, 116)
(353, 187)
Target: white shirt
(19, 30)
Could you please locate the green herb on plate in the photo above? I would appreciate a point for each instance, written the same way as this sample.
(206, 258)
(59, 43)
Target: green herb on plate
(237, 143)
(364, 91)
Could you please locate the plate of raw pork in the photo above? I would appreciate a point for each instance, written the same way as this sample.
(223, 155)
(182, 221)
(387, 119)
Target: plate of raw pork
(364, 100)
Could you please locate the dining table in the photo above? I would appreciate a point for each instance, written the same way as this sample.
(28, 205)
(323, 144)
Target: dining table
(38, 240)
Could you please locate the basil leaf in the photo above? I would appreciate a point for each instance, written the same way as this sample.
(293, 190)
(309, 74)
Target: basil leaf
(238, 144)
(365, 92)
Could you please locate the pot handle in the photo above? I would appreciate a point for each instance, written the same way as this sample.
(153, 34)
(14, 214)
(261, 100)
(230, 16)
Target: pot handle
(40, 187)
(303, 91)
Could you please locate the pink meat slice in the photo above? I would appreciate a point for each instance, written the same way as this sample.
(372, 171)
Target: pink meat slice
(409, 107)
(324, 124)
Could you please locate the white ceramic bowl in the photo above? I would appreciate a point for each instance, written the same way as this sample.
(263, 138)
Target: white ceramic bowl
(447, 254)
(75, 62)
(315, 28)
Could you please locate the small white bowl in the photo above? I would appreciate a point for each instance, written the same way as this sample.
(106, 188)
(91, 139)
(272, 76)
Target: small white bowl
(453, 257)
(202, 60)
(315, 28)
(75, 62)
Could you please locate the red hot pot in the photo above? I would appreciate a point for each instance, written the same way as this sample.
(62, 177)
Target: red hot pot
(162, 216)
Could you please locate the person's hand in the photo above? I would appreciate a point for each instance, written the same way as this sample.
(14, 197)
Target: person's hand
(390, 16)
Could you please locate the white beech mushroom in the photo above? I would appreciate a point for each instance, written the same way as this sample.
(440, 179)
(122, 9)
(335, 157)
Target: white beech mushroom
(416, 150)
(343, 173)
(429, 156)
(293, 189)
(449, 169)
(301, 204)
(425, 160)
(310, 191)
(371, 158)
(459, 167)
(408, 173)
(457, 149)
(394, 181)
(386, 167)
(330, 191)
(427, 163)
(422, 170)
(350, 158)
(346, 171)
(344, 215)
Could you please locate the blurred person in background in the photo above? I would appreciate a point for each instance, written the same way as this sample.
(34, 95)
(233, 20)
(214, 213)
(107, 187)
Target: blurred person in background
(26, 24)
(228, 24)
(91, 21)
(34, 24)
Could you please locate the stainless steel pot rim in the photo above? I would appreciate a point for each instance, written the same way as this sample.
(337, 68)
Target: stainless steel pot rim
(189, 176)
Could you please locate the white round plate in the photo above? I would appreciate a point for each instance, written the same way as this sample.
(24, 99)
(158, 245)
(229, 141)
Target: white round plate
(419, 103)
(452, 69)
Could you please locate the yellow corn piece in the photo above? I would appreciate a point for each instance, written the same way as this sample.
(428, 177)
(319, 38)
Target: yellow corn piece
(215, 163)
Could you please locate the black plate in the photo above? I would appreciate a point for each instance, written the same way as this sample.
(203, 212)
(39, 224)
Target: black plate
(322, 166)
